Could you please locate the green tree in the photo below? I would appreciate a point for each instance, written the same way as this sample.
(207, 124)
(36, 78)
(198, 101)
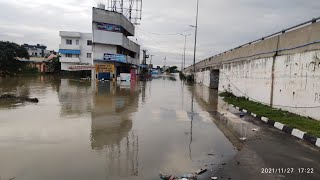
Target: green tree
(9, 54)
(172, 69)
(55, 65)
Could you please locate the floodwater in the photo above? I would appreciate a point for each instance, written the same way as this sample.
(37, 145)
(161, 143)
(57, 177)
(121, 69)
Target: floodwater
(83, 130)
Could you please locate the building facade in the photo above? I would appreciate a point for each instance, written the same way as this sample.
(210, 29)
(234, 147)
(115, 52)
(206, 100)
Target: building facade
(37, 50)
(113, 52)
(76, 51)
(107, 51)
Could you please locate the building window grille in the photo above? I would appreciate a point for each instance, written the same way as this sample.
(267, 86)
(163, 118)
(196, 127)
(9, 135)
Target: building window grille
(89, 43)
(68, 41)
(69, 55)
(88, 55)
(77, 56)
(77, 42)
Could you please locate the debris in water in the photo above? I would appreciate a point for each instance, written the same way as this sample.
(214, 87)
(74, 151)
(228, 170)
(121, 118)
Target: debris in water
(241, 115)
(214, 177)
(211, 154)
(223, 164)
(200, 171)
(243, 138)
(255, 129)
(190, 176)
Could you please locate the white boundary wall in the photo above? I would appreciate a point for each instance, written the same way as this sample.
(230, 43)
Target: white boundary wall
(296, 81)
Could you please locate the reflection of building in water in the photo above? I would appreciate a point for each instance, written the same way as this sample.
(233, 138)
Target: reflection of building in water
(206, 97)
(75, 97)
(113, 106)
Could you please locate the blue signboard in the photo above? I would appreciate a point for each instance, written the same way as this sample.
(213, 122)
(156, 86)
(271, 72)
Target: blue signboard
(109, 27)
(115, 57)
(69, 51)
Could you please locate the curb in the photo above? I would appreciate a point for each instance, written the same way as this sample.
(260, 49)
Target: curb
(294, 132)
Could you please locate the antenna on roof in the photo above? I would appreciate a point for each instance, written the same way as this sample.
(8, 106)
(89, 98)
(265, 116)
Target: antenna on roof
(131, 9)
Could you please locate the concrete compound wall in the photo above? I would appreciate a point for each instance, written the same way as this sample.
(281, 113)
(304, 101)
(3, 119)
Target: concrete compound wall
(282, 71)
(203, 78)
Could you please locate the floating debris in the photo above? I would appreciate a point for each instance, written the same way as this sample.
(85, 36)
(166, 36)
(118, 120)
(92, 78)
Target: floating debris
(211, 154)
(243, 138)
(21, 99)
(200, 171)
(214, 177)
(255, 129)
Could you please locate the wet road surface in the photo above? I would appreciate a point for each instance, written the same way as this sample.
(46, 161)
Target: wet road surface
(83, 130)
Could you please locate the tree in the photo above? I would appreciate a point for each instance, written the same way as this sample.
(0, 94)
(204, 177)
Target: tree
(9, 54)
(172, 69)
(54, 65)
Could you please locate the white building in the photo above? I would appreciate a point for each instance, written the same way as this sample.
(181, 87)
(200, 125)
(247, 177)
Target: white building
(76, 51)
(107, 51)
(111, 45)
(38, 50)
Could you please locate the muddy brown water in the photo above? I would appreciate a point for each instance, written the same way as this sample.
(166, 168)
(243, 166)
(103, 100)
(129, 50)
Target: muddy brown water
(83, 130)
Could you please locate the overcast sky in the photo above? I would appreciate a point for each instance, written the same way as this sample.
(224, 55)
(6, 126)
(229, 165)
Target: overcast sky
(223, 24)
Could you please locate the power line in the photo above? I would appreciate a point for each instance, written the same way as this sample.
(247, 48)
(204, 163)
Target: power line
(164, 34)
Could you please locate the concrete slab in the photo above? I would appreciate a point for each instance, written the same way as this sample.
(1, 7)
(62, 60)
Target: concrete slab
(264, 119)
(278, 125)
(297, 133)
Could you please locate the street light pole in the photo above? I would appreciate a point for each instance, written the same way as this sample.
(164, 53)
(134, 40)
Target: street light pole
(195, 40)
(184, 50)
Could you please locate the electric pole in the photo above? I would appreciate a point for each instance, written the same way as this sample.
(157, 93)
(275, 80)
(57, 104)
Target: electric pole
(195, 39)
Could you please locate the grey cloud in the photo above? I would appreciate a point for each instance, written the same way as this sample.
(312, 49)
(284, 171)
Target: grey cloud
(223, 24)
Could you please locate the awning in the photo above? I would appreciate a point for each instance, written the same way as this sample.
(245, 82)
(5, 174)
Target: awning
(69, 51)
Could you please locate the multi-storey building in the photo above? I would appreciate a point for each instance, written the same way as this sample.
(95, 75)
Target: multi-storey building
(107, 51)
(76, 51)
(111, 45)
(37, 50)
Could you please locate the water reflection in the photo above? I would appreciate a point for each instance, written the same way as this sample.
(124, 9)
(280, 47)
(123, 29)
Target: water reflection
(83, 130)
(111, 126)
(26, 87)
(75, 97)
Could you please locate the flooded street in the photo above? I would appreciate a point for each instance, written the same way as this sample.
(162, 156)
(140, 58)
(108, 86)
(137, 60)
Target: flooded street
(81, 130)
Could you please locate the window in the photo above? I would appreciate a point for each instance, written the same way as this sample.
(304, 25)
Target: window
(88, 55)
(68, 41)
(77, 55)
(77, 42)
(89, 42)
(69, 55)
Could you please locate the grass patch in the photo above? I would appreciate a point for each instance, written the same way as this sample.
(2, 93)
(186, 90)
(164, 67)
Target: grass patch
(306, 124)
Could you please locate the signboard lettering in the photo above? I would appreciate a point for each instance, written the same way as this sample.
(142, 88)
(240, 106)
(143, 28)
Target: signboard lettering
(115, 57)
(109, 27)
(104, 68)
(80, 67)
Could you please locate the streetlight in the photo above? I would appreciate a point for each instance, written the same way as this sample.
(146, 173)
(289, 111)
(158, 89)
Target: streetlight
(151, 58)
(184, 52)
(195, 39)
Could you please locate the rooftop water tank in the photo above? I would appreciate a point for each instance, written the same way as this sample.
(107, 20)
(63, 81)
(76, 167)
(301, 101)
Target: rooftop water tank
(101, 6)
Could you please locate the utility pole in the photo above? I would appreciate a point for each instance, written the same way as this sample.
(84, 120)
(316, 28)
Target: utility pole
(121, 5)
(195, 39)
(151, 59)
(145, 56)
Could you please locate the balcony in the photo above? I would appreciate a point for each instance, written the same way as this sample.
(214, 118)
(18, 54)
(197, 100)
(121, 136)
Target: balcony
(69, 60)
(68, 46)
(130, 45)
(132, 60)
